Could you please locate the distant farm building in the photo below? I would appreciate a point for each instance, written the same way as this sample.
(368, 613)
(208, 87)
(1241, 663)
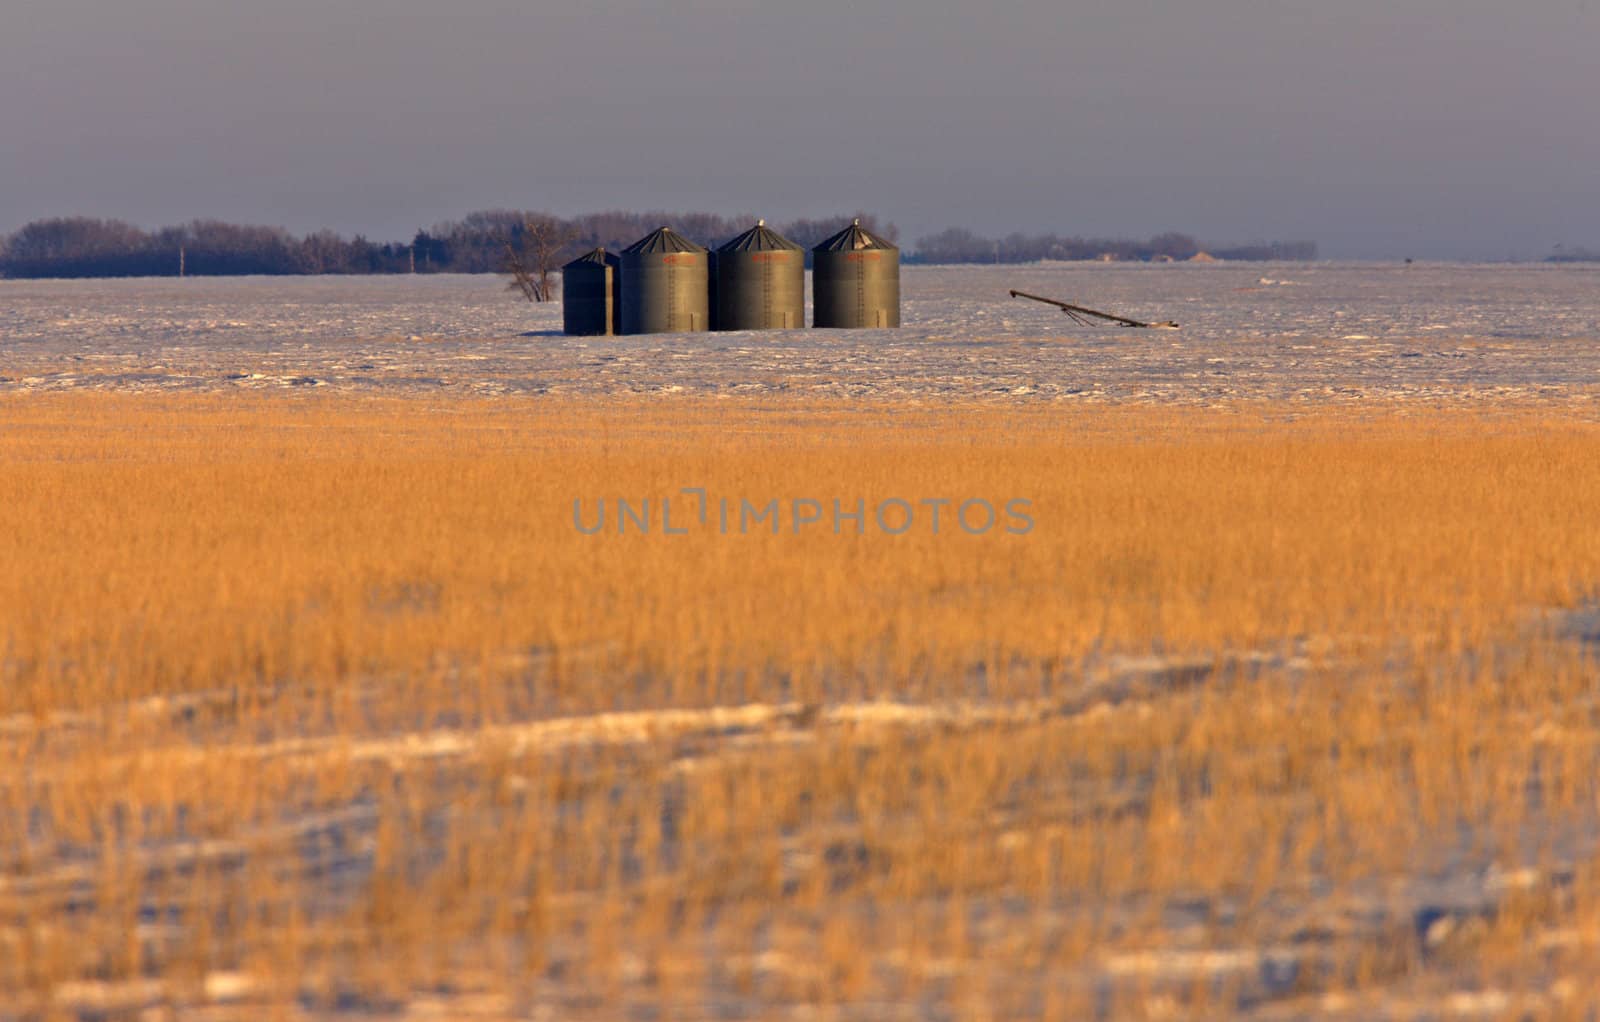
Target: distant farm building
(855, 281)
(665, 283)
(759, 282)
(591, 294)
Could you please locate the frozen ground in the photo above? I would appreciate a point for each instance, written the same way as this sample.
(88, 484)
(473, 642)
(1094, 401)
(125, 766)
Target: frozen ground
(1255, 330)
(1267, 331)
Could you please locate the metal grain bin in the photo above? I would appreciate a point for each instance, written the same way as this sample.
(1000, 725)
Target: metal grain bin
(856, 280)
(711, 290)
(665, 282)
(590, 293)
(759, 282)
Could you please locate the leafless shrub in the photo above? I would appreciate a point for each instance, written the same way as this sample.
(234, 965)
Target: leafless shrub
(532, 249)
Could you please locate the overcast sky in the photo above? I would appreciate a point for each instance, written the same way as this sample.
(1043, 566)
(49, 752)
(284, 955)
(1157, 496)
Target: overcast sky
(1379, 128)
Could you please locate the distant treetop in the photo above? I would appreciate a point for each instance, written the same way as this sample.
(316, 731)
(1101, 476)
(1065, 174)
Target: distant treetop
(89, 247)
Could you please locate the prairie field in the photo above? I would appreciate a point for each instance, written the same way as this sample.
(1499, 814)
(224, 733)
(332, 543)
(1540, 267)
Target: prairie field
(343, 706)
(1311, 333)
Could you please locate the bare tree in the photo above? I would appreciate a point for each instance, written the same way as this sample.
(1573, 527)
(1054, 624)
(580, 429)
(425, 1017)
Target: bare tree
(533, 248)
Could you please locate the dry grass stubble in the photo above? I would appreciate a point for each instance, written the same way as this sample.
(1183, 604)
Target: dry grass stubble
(327, 706)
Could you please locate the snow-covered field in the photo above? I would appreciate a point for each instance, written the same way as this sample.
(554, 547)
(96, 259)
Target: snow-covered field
(1390, 818)
(1299, 331)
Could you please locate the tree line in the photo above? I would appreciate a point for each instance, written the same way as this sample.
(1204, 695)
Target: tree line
(957, 245)
(489, 240)
(1563, 254)
(477, 243)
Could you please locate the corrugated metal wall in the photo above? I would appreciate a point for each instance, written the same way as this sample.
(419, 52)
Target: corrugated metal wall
(855, 281)
(759, 282)
(589, 293)
(665, 285)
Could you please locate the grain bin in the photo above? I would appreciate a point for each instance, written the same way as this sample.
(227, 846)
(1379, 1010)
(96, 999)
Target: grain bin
(759, 282)
(856, 280)
(665, 282)
(590, 293)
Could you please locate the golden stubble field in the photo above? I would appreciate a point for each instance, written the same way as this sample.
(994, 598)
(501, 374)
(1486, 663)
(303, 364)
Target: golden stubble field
(325, 707)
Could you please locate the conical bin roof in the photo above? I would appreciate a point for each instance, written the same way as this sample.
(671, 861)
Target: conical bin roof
(760, 238)
(853, 239)
(662, 239)
(597, 257)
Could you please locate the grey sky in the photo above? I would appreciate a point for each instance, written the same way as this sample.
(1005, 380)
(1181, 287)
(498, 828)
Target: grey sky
(1432, 128)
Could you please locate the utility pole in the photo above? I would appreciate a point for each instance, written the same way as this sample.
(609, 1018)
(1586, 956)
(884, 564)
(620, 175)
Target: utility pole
(180, 261)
